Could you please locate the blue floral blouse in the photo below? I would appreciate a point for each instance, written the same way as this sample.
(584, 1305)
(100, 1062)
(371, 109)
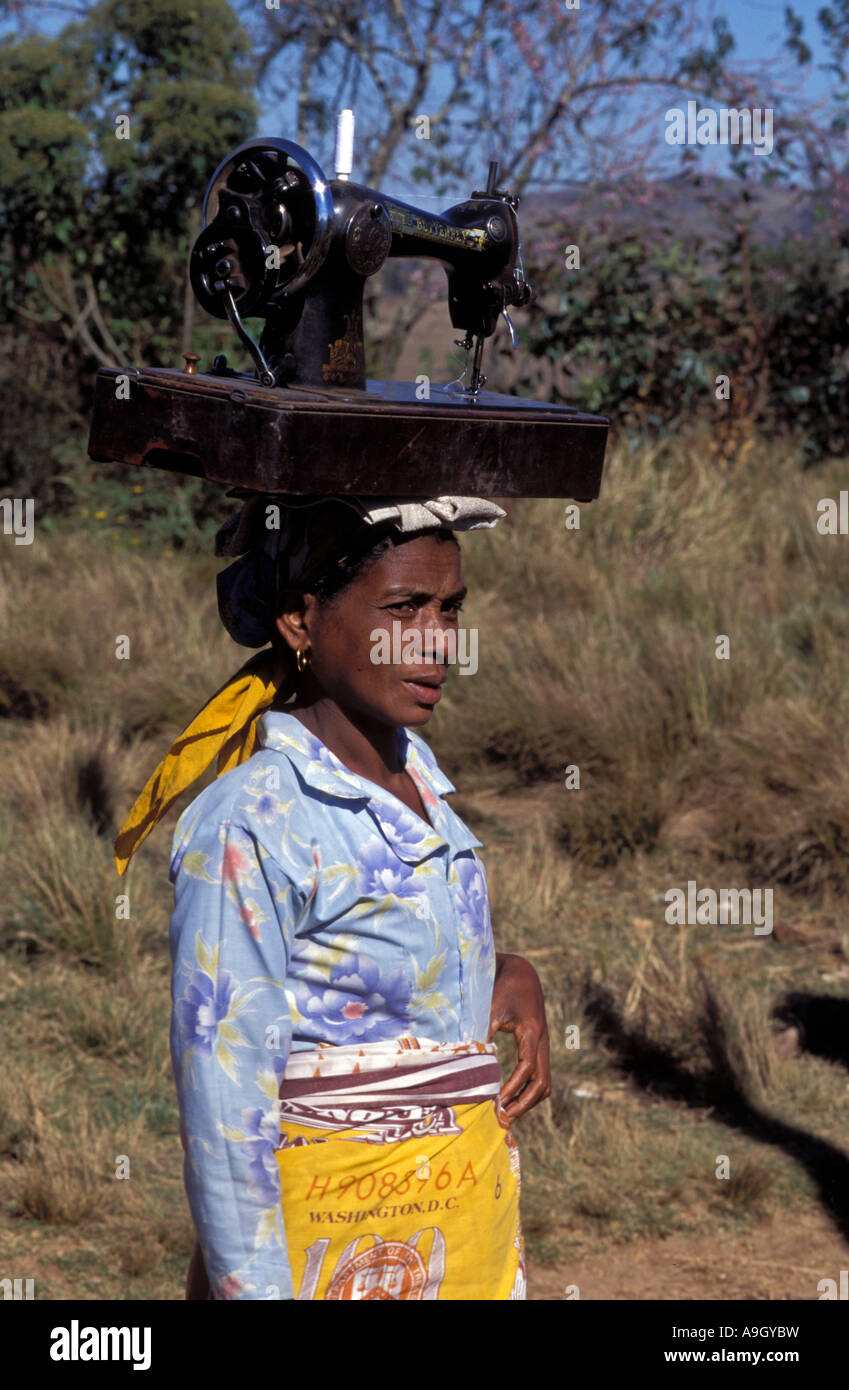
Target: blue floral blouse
(311, 906)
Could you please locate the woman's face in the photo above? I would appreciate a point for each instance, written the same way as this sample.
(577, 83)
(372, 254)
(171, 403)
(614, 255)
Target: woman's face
(417, 587)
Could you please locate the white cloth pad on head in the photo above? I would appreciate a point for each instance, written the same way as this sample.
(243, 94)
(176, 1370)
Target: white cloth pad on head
(413, 513)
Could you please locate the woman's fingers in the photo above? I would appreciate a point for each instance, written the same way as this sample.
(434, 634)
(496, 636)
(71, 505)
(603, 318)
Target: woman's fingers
(530, 1097)
(532, 1075)
(518, 1007)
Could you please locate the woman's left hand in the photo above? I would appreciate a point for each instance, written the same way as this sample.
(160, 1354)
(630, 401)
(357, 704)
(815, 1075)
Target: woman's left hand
(518, 1007)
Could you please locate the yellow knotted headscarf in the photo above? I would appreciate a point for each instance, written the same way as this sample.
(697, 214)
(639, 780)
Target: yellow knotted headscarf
(226, 726)
(305, 540)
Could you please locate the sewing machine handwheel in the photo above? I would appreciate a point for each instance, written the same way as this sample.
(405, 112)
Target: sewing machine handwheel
(277, 196)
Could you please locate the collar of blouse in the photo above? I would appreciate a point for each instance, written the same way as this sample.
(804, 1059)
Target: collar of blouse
(320, 769)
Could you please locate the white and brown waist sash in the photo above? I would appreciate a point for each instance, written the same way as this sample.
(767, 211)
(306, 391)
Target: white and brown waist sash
(387, 1091)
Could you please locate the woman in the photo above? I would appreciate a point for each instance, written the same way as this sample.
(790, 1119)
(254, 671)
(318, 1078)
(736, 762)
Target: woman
(335, 984)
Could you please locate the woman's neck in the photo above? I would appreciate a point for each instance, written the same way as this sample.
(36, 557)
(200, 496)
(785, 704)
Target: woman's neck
(369, 748)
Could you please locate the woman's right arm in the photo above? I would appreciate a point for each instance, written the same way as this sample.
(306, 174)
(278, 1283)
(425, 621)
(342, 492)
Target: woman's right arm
(231, 934)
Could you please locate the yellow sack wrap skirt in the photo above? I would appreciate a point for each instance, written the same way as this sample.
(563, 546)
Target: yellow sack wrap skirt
(399, 1175)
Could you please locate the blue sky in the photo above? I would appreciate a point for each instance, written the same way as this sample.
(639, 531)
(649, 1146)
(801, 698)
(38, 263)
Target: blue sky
(757, 25)
(760, 32)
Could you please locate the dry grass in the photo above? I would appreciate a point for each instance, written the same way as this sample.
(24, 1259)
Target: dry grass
(65, 603)
(598, 650)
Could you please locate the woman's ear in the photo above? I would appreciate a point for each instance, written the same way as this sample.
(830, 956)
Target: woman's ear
(291, 620)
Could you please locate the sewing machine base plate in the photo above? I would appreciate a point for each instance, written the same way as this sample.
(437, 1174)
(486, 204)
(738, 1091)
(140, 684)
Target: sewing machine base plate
(232, 430)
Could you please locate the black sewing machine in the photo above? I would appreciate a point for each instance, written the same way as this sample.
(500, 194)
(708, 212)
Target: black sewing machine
(283, 242)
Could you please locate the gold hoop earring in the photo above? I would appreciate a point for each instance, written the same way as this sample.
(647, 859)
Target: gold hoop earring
(302, 657)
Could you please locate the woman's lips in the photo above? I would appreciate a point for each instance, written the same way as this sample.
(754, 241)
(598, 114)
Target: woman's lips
(425, 694)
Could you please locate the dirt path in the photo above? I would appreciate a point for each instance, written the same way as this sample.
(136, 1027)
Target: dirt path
(783, 1259)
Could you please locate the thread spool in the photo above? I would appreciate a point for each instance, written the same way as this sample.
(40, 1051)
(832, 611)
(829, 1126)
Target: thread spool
(344, 157)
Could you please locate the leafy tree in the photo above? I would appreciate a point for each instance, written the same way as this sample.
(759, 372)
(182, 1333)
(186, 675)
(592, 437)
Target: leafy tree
(108, 134)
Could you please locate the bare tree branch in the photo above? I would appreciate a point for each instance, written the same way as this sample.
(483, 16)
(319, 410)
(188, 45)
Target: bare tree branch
(100, 322)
